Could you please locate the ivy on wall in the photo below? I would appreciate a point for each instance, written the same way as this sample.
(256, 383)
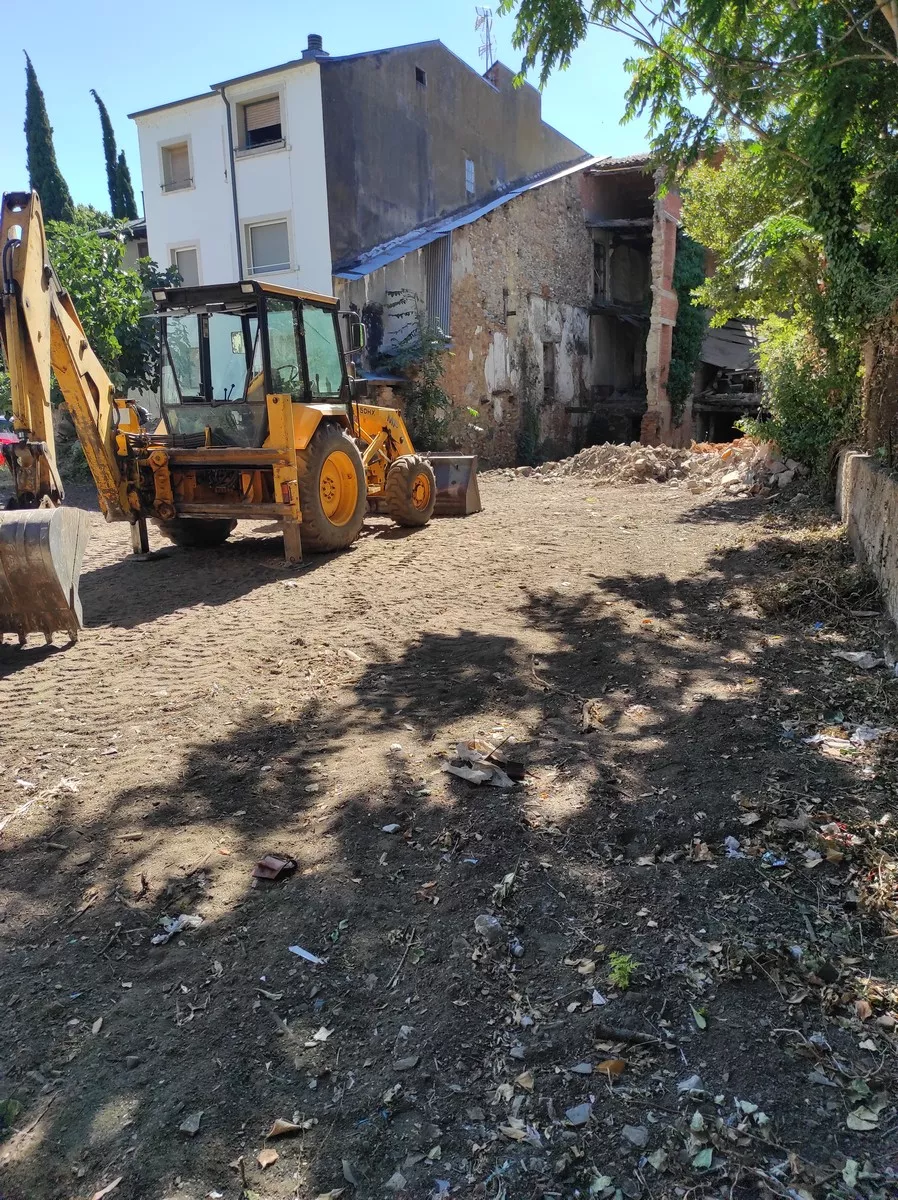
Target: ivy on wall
(692, 323)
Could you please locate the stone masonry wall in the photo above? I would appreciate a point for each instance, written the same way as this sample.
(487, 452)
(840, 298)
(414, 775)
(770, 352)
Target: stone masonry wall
(520, 282)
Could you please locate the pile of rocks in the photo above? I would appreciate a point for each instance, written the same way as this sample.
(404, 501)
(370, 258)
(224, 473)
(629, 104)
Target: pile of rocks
(743, 467)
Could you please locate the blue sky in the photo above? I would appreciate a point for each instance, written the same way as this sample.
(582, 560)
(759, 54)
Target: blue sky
(138, 57)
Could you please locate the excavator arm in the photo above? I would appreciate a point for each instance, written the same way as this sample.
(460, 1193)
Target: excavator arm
(41, 544)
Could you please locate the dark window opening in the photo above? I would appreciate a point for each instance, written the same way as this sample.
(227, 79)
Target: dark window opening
(421, 77)
(262, 123)
(599, 270)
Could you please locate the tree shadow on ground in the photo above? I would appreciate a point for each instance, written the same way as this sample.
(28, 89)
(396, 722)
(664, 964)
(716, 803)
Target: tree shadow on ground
(648, 707)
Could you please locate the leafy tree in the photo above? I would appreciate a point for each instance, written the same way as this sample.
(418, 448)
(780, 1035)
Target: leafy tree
(109, 299)
(43, 171)
(118, 177)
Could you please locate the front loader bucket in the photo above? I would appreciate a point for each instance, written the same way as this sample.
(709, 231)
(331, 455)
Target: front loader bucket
(40, 562)
(457, 492)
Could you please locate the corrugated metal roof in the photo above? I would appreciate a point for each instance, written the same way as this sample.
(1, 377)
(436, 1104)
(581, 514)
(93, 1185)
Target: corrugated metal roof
(363, 264)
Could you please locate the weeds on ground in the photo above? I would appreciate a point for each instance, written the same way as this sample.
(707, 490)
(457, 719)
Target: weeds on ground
(819, 579)
(623, 968)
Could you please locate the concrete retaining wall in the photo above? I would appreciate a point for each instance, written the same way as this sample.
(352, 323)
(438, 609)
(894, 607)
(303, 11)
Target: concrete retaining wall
(867, 501)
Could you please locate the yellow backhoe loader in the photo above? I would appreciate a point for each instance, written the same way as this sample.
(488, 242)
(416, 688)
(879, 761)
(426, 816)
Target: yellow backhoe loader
(259, 420)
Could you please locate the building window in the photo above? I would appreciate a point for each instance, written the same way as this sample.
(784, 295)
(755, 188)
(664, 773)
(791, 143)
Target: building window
(438, 281)
(259, 123)
(420, 77)
(268, 247)
(548, 372)
(187, 261)
(176, 167)
(469, 176)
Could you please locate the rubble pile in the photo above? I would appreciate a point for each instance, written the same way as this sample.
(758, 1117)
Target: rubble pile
(742, 467)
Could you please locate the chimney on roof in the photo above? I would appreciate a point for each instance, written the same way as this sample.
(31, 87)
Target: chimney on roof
(315, 48)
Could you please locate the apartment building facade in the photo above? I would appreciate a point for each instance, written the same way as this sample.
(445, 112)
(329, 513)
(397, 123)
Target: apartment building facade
(276, 173)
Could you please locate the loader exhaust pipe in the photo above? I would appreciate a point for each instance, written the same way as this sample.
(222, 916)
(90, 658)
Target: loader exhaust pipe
(40, 564)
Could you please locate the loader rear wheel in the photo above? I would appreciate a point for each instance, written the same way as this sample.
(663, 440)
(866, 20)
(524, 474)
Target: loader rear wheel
(332, 492)
(195, 532)
(411, 490)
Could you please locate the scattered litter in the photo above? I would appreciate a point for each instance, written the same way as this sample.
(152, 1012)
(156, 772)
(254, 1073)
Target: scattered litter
(272, 866)
(770, 859)
(489, 928)
(864, 659)
(396, 1182)
(173, 925)
(191, 1123)
(110, 1187)
(583, 1068)
(863, 735)
(281, 1128)
(612, 1067)
(733, 848)
(637, 1135)
(598, 999)
(516, 948)
(692, 1084)
(267, 1157)
(478, 762)
(525, 1081)
(307, 955)
(579, 1114)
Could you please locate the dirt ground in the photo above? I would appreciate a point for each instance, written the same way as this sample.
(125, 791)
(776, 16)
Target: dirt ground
(219, 707)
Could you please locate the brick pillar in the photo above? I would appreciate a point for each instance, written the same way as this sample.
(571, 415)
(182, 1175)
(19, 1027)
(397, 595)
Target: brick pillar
(657, 424)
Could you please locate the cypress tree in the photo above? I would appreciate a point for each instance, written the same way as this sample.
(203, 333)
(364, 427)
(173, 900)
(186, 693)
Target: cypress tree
(109, 153)
(125, 189)
(43, 171)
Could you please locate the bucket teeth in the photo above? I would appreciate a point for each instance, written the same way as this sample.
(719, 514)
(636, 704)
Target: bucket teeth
(40, 563)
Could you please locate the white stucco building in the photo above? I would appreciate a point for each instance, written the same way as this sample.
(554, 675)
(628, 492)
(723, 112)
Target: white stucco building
(234, 180)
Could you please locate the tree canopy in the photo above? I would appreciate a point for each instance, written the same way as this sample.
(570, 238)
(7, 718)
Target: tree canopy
(44, 174)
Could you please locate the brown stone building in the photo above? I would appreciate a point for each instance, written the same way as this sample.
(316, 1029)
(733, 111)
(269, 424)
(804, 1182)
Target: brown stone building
(557, 298)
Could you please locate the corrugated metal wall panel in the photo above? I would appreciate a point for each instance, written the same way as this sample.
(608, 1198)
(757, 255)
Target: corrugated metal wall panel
(438, 274)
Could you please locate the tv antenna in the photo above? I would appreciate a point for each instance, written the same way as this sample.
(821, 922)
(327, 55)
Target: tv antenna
(484, 24)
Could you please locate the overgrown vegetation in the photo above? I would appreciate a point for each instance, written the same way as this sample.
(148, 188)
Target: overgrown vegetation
(689, 331)
(803, 212)
(418, 355)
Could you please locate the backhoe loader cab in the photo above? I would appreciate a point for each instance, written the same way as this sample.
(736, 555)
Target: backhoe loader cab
(259, 420)
(225, 349)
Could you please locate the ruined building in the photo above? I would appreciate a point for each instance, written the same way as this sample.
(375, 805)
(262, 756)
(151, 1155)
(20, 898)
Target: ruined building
(557, 299)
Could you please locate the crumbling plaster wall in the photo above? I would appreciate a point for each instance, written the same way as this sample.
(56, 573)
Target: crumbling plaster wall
(520, 282)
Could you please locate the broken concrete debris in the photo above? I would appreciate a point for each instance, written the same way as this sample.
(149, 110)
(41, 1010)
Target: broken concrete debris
(742, 467)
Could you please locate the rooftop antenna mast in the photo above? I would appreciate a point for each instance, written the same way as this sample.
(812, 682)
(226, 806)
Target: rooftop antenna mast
(484, 24)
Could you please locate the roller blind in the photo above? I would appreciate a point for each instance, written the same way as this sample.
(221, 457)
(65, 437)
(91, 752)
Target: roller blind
(269, 247)
(262, 114)
(177, 164)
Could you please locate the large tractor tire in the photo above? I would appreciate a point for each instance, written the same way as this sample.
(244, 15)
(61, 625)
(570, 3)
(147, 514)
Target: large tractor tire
(332, 492)
(196, 532)
(411, 490)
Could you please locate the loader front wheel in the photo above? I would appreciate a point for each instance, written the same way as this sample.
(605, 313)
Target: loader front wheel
(411, 490)
(332, 492)
(196, 532)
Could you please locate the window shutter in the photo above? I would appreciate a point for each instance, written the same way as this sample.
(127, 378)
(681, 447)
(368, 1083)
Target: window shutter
(269, 247)
(262, 114)
(178, 161)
